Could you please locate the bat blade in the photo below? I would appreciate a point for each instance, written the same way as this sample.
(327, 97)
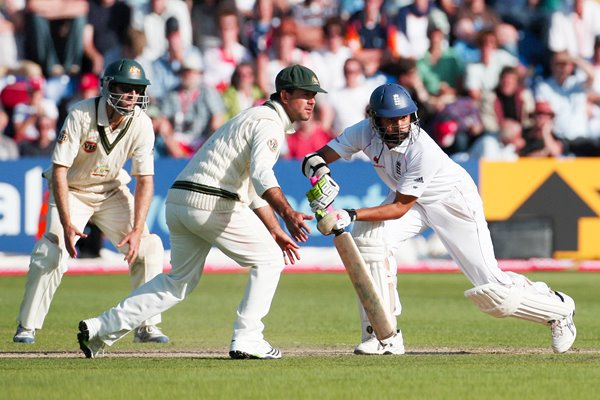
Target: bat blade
(364, 286)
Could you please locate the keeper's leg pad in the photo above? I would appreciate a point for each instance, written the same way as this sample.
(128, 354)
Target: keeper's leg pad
(381, 265)
(524, 302)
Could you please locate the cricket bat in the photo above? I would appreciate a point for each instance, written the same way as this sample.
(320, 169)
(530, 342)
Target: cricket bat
(362, 281)
(363, 285)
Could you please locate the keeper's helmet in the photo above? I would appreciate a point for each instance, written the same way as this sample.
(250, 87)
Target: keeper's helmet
(124, 86)
(392, 101)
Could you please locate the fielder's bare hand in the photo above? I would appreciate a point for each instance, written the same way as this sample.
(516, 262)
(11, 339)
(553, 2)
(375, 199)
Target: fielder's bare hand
(294, 221)
(71, 234)
(133, 240)
(287, 245)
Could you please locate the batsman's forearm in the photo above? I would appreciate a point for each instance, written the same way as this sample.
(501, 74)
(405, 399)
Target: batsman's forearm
(144, 191)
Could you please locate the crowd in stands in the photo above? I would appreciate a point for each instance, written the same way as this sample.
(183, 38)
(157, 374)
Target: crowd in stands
(492, 79)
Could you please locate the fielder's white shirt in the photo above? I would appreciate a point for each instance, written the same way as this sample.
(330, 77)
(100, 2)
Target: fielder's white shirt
(95, 160)
(239, 157)
(417, 167)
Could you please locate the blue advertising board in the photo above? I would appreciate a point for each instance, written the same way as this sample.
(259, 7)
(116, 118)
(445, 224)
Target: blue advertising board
(22, 188)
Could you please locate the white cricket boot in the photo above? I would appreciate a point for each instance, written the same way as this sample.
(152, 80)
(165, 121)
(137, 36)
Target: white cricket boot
(149, 334)
(24, 335)
(253, 350)
(563, 330)
(372, 346)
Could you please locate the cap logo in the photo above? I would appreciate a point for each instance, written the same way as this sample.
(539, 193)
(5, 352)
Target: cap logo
(397, 99)
(135, 71)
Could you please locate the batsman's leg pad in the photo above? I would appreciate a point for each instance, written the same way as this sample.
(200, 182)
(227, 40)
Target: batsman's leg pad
(520, 301)
(381, 265)
(148, 264)
(46, 268)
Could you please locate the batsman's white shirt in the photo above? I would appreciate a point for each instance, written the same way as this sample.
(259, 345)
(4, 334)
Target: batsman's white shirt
(448, 200)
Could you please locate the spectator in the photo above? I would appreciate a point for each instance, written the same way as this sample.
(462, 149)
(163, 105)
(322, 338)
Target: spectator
(370, 35)
(567, 94)
(457, 126)
(220, 61)
(166, 70)
(504, 146)
(540, 140)
(483, 75)
(309, 137)
(531, 19)
(482, 16)
(465, 41)
(412, 23)
(205, 33)
(328, 61)
(510, 100)
(243, 92)
(194, 110)
(154, 25)
(258, 30)
(11, 22)
(347, 106)
(310, 17)
(26, 115)
(88, 87)
(54, 34)
(8, 147)
(440, 68)
(105, 32)
(284, 52)
(43, 146)
(573, 29)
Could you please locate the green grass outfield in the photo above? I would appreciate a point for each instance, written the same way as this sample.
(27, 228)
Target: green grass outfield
(453, 350)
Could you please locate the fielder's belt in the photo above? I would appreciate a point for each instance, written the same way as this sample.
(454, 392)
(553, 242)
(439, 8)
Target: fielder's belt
(200, 188)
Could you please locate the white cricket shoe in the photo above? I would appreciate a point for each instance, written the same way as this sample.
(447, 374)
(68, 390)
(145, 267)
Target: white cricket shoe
(253, 350)
(92, 348)
(563, 331)
(24, 335)
(149, 334)
(393, 345)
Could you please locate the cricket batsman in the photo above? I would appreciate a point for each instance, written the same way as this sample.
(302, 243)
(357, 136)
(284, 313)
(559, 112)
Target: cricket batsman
(88, 183)
(428, 189)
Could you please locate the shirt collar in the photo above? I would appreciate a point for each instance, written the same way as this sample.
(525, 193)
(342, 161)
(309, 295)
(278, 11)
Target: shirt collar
(288, 125)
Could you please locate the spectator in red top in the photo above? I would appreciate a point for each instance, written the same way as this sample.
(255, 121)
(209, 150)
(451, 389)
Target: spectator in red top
(309, 137)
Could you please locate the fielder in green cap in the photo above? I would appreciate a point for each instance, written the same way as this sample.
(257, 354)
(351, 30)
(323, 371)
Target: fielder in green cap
(227, 196)
(298, 77)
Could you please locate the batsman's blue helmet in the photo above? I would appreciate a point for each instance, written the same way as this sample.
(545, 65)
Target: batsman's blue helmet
(391, 101)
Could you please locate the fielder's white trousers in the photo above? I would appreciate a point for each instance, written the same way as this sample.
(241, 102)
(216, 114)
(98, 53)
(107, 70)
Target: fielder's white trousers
(239, 234)
(113, 214)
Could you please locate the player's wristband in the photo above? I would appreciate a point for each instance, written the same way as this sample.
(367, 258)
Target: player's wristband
(352, 213)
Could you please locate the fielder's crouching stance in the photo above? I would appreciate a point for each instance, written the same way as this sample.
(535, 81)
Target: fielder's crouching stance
(226, 197)
(88, 183)
(428, 189)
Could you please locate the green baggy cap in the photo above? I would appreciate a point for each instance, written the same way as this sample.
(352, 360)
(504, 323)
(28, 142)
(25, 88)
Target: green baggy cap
(297, 77)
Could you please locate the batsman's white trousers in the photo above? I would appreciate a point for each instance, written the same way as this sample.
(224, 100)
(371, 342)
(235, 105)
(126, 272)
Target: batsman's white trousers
(239, 234)
(460, 222)
(113, 214)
